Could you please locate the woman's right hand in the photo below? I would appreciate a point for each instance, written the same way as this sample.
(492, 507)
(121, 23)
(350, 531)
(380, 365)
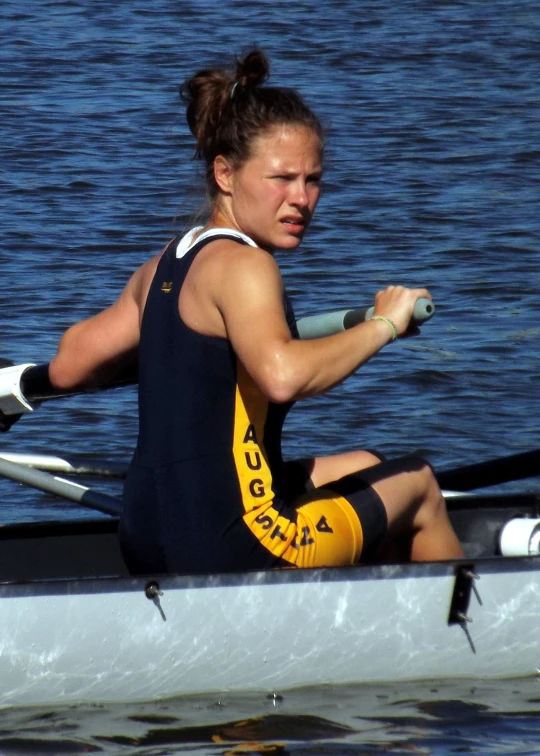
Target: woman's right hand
(397, 304)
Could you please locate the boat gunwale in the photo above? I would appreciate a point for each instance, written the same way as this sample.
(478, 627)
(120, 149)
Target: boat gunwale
(264, 578)
(118, 582)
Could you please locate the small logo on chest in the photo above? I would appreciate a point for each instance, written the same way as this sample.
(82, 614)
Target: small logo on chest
(166, 286)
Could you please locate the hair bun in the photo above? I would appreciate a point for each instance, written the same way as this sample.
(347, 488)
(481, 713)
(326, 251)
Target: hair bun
(252, 70)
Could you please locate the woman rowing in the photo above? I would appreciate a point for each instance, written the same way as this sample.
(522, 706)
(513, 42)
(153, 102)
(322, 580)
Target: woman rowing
(220, 365)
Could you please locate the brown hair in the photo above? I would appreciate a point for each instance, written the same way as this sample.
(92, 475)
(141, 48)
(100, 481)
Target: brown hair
(226, 111)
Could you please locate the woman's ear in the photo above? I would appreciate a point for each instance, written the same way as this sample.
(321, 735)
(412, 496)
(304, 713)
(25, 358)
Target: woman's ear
(223, 174)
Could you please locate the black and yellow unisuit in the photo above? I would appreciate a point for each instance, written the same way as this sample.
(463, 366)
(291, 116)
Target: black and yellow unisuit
(206, 490)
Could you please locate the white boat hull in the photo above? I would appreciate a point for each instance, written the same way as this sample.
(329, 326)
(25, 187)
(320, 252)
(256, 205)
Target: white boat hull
(103, 640)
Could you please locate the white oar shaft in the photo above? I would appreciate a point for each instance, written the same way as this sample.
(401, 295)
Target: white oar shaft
(66, 489)
(51, 463)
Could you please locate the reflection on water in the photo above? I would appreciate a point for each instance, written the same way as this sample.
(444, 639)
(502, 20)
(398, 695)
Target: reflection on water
(429, 717)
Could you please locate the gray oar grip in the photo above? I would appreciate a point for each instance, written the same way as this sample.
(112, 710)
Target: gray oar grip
(424, 309)
(317, 326)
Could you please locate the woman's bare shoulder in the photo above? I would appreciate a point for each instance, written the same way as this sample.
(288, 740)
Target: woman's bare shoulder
(232, 257)
(139, 283)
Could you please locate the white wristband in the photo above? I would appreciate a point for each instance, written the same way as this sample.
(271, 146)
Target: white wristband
(12, 400)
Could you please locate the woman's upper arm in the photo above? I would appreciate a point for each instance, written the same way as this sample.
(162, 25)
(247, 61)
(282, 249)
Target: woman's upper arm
(95, 349)
(251, 305)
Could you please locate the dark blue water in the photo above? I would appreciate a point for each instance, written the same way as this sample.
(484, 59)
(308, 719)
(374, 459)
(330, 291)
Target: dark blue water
(432, 179)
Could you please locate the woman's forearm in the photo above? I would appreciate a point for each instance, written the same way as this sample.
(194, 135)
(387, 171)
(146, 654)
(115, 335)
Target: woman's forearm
(298, 369)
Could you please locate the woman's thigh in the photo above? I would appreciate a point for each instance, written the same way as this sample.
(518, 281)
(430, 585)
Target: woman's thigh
(400, 483)
(324, 470)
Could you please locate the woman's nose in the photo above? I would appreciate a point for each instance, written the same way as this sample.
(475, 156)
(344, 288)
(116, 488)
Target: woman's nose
(299, 196)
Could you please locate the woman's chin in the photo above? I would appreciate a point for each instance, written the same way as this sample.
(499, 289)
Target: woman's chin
(289, 240)
(281, 240)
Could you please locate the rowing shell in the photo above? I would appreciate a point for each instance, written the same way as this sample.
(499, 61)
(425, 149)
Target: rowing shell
(75, 628)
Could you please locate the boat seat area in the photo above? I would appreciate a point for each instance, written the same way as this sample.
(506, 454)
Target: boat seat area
(52, 550)
(90, 548)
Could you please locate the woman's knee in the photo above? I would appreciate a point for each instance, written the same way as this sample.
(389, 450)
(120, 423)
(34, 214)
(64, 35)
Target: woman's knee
(423, 471)
(408, 489)
(432, 503)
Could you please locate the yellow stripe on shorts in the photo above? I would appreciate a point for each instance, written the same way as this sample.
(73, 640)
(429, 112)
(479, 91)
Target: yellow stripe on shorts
(329, 532)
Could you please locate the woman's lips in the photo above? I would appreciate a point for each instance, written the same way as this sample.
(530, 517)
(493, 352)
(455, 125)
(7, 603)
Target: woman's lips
(294, 225)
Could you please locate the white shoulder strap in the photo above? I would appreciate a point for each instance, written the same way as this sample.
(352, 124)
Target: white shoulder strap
(187, 241)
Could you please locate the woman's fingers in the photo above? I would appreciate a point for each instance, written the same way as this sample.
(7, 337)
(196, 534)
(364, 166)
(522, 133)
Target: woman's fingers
(397, 303)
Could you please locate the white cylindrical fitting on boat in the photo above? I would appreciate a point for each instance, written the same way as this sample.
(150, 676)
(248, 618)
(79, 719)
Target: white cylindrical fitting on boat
(520, 537)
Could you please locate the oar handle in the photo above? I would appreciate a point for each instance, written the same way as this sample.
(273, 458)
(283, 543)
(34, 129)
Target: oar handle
(37, 387)
(317, 326)
(24, 387)
(28, 385)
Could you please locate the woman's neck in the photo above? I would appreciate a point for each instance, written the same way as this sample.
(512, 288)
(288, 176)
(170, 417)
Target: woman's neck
(221, 219)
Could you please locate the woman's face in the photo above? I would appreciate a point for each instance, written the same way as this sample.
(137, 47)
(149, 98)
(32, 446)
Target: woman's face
(273, 195)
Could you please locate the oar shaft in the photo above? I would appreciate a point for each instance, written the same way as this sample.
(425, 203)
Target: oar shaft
(66, 489)
(317, 326)
(492, 472)
(36, 386)
(51, 463)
